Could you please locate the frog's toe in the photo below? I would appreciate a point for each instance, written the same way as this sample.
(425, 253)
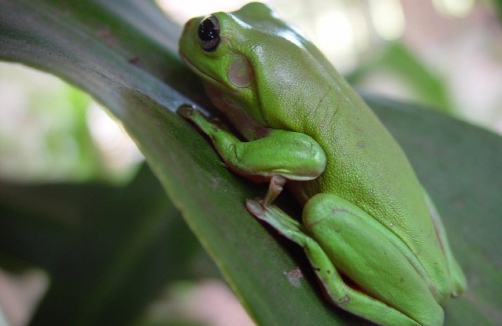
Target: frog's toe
(186, 111)
(256, 208)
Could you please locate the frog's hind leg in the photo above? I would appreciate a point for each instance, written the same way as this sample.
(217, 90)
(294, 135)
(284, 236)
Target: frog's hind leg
(336, 289)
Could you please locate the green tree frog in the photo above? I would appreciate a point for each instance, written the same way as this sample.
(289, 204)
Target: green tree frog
(369, 230)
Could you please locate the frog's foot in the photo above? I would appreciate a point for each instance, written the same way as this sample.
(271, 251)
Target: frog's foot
(195, 116)
(189, 112)
(256, 208)
(275, 217)
(186, 111)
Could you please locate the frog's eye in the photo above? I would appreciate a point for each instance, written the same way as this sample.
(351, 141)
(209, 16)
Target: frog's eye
(209, 33)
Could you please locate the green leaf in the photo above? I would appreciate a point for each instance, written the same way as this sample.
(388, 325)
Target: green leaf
(123, 54)
(109, 250)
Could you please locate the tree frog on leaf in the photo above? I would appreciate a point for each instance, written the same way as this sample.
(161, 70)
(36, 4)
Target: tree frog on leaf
(369, 230)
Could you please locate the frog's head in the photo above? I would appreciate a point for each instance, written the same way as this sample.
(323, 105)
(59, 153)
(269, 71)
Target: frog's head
(247, 59)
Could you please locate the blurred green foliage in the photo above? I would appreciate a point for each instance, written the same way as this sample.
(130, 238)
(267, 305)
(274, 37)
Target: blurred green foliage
(40, 139)
(425, 87)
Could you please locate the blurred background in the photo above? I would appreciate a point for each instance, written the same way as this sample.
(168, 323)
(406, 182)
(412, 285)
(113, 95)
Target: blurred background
(444, 54)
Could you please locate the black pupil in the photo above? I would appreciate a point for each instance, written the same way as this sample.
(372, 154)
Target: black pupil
(207, 30)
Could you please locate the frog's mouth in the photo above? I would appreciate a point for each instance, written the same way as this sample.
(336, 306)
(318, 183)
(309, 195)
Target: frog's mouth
(201, 73)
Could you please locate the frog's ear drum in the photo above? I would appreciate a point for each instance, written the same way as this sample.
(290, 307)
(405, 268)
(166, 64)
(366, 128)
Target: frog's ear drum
(209, 33)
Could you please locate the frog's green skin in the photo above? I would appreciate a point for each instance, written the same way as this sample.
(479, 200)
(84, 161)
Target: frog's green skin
(365, 215)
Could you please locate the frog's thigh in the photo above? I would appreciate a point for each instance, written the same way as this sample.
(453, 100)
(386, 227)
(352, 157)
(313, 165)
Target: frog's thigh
(359, 247)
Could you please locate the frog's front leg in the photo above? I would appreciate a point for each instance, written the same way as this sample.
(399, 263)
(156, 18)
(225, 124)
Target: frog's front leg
(341, 239)
(276, 157)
